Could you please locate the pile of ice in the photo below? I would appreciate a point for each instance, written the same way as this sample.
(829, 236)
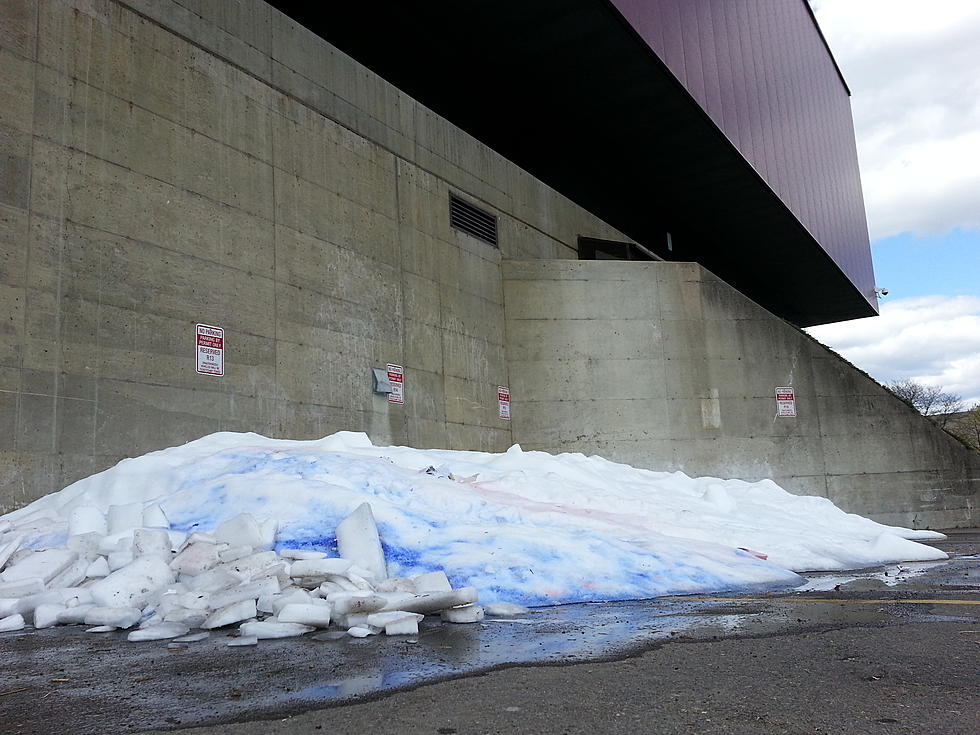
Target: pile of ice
(283, 537)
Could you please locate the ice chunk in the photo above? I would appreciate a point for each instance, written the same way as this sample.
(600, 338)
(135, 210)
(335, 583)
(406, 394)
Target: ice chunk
(402, 626)
(85, 519)
(193, 637)
(102, 629)
(7, 549)
(235, 552)
(302, 554)
(294, 596)
(117, 617)
(245, 640)
(319, 567)
(432, 582)
(465, 614)
(307, 614)
(396, 584)
(46, 615)
(85, 543)
(154, 517)
(234, 613)
(21, 588)
(357, 540)
(125, 517)
(44, 564)
(248, 591)
(436, 601)
(195, 558)
(504, 609)
(190, 618)
(73, 575)
(242, 530)
(74, 615)
(265, 629)
(133, 584)
(119, 559)
(151, 542)
(359, 631)
(269, 528)
(11, 622)
(381, 619)
(249, 566)
(97, 569)
(158, 632)
(212, 581)
(347, 603)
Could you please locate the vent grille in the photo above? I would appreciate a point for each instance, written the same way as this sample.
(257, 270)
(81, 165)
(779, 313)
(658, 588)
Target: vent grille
(472, 220)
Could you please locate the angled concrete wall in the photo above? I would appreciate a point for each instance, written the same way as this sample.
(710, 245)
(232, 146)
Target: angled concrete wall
(663, 365)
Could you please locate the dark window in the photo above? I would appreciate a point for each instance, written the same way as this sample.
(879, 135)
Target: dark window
(472, 220)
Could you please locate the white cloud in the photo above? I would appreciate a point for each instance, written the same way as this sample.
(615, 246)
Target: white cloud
(913, 70)
(933, 339)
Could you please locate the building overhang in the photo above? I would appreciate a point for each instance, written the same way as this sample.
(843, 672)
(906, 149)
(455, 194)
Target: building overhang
(572, 94)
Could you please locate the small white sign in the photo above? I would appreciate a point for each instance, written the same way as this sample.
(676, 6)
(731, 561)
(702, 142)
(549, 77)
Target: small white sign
(396, 376)
(503, 402)
(785, 402)
(210, 350)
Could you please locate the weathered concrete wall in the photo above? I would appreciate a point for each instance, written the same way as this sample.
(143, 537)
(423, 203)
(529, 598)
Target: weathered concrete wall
(663, 365)
(164, 163)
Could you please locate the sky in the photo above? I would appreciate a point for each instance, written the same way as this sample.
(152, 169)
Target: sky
(914, 73)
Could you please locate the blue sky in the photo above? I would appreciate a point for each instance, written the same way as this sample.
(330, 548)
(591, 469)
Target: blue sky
(914, 73)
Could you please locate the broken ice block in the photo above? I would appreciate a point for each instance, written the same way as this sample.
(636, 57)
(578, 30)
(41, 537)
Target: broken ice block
(212, 581)
(402, 626)
(87, 519)
(436, 601)
(396, 584)
(101, 629)
(132, 584)
(195, 558)
(245, 640)
(432, 582)
(319, 567)
(119, 559)
(44, 565)
(503, 609)
(11, 622)
(21, 588)
(154, 517)
(72, 575)
(74, 615)
(302, 554)
(235, 552)
(361, 632)
(249, 566)
(247, 591)
(158, 632)
(234, 613)
(7, 549)
(381, 619)
(85, 543)
(117, 617)
(46, 615)
(347, 603)
(307, 614)
(151, 542)
(465, 614)
(262, 630)
(125, 517)
(294, 595)
(357, 540)
(242, 530)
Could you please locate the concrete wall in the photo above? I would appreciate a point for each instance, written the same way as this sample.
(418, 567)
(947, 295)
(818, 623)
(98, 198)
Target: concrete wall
(165, 163)
(663, 365)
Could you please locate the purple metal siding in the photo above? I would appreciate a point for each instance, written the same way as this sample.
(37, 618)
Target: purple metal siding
(760, 70)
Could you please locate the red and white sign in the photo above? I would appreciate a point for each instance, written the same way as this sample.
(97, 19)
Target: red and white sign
(210, 350)
(396, 376)
(503, 402)
(785, 402)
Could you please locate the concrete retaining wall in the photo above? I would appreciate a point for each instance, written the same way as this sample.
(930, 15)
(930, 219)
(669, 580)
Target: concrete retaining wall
(166, 163)
(665, 366)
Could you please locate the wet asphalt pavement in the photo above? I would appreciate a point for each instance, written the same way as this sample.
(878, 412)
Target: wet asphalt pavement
(890, 650)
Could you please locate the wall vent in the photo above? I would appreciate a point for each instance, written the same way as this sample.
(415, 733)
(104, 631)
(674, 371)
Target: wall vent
(472, 220)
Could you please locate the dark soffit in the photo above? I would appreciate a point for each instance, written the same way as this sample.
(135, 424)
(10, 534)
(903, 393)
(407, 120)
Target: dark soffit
(569, 92)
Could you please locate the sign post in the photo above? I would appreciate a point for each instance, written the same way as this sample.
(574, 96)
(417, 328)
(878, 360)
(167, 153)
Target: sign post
(210, 350)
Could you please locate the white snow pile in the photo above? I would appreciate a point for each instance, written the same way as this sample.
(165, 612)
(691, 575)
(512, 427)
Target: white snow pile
(285, 537)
